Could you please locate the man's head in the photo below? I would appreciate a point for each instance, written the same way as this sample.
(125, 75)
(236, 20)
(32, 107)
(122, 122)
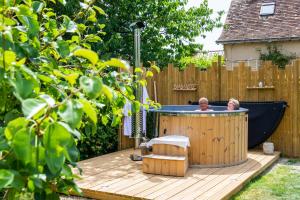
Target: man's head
(203, 103)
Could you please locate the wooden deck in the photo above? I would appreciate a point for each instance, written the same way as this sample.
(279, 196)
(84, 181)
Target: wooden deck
(115, 176)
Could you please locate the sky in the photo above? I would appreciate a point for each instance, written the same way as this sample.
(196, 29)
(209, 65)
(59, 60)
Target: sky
(210, 41)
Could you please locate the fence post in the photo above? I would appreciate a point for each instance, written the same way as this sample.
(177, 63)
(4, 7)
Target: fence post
(219, 74)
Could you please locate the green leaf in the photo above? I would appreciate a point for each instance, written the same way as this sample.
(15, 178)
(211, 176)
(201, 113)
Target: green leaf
(8, 36)
(51, 26)
(22, 145)
(27, 2)
(55, 159)
(71, 130)
(89, 110)
(18, 182)
(30, 185)
(72, 153)
(143, 82)
(44, 78)
(92, 38)
(87, 54)
(28, 72)
(6, 178)
(56, 141)
(104, 119)
(31, 107)
(28, 50)
(66, 171)
(81, 27)
(138, 70)
(63, 2)
(91, 86)
(7, 21)
(75, 39)
(50, 14)
(56, 135)
(116, 121)
(63, 48)
(156, 68)
(23, 87)
(117, 63)
(3, 144)
(58, 73)
(50, 101)
(136, 106)
(21, 62)
(100, 10)
(71, 78)
(86, 45)
(71, 112)
(9, 58)
(37, 6)
(14, 126)
(102, 26)
(92, 16)
(32, 25)
(69, 25)
(11, 115)
(108, 92)
(149, 74)
(37, 182)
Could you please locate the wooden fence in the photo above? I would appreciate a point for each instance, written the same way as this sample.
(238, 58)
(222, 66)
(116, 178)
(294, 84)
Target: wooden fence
(240, 82)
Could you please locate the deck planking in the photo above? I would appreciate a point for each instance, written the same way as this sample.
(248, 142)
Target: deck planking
(115, 176)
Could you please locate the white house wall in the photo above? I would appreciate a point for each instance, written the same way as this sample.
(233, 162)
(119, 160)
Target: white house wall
(250, 51)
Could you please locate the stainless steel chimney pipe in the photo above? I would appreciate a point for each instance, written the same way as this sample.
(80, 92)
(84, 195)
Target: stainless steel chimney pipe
(138, 116)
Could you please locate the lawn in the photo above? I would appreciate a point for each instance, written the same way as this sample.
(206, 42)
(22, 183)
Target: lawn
(281, 182)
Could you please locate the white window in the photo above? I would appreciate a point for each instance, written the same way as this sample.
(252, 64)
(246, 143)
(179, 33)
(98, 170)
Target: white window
(267, 9)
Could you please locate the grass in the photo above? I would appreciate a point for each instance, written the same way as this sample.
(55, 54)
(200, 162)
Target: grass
(283, 182)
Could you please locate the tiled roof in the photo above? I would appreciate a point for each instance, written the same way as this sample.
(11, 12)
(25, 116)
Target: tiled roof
(244, 23)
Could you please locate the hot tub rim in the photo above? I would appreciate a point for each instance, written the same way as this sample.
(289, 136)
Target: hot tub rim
(224, 112)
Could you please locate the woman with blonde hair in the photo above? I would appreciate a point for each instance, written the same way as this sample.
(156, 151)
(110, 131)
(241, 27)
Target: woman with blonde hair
(233, 104)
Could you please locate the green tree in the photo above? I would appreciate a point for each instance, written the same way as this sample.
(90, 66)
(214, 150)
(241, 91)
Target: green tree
(53, 85)
(170, 28)
(169, 34)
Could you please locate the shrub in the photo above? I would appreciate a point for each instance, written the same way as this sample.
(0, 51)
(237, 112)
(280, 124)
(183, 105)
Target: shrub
(277, 58)
(53, 86)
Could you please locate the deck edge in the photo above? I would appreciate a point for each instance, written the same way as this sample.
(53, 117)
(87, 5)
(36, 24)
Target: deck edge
(254, 175)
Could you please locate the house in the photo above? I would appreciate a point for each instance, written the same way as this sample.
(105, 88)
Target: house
(252, 25)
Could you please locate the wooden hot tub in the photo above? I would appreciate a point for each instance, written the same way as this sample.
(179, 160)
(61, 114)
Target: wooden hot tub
(218, 138)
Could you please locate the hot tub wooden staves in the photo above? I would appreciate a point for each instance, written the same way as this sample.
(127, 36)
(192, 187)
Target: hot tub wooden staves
(217, 140)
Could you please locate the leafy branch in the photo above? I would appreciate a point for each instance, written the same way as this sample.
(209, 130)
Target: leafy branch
(277, 57)
(202, 61)
(60, 88)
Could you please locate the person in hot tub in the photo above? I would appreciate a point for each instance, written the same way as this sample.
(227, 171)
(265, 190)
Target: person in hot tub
(233, 104)
(203, 104)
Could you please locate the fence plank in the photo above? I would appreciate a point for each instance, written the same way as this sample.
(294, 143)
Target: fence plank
(296, 119)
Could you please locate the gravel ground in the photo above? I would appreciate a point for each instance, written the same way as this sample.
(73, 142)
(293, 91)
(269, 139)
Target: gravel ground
(293, 163)
(73, 198)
